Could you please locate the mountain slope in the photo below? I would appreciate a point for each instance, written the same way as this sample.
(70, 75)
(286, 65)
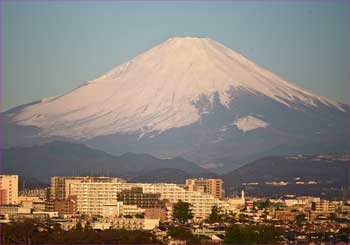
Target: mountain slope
(63, 158)
(189, 97)
(286, 168)
(156, 90)
(317, 175)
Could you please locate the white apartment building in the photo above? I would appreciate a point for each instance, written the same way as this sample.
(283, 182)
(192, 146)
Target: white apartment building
(94, 197)
(60, 185)
(8, 189)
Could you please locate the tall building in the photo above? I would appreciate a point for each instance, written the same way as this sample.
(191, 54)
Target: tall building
(92, 196)
(207, 186)
(9, 189)
(60, 185)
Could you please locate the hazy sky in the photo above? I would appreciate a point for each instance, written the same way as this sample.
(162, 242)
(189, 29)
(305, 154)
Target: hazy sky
(50, 48)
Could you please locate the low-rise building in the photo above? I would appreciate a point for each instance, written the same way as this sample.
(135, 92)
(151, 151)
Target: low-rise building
(135, 224)
(32, 202)
(156, 213)
(285, 215)
(119, 209)
(66, 207)
(323, 206)
(40, 193)
(13, 209)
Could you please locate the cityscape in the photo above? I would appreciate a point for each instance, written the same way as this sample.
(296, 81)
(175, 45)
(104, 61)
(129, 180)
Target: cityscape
(197, 211)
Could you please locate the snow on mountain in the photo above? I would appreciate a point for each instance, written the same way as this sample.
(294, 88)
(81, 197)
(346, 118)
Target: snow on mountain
(157, 91)
(249, 123)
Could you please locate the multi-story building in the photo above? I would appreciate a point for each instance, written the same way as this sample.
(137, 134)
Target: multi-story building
(156, 213)
(201, 204)
(40, 193)
(9, 189)
(207, 186)
(323, 206)
(285, 215)
(67, 206)
(32, 202)
(13, 209)
(3, 196)
(136, 196)
(92, 196)
(135, 224)
(60, 185)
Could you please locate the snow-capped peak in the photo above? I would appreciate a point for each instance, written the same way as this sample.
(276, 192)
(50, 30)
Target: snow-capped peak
(156, 90)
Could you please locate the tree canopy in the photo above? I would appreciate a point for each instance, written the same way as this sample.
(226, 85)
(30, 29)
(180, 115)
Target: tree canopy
(32, 232)
(182, 212)
(215, 215)
(263, 234)
(184, 234)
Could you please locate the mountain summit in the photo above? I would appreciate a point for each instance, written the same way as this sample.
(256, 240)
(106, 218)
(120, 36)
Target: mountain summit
(185, 87)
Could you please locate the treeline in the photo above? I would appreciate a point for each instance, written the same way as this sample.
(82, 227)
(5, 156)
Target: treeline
(34, 232)
(253, 234)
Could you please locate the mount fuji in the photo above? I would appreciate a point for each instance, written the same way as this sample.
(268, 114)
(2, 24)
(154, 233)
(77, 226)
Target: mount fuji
(188, 97)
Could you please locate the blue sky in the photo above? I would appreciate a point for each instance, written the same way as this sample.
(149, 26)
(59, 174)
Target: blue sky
(50, 48)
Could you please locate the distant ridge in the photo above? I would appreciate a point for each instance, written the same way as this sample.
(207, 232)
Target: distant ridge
(64, 158)
(38, 163)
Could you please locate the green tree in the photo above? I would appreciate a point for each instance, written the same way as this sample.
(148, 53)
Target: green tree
(278, 205)
(236, 235)
(184, 234)
(333, 216)
(56, 233)
(78, 227)
(215, 215)
(17, 233)
(34, 232)
(264, 234)
(264, 205)
(87, 226)
(268, 234)
(300, 219)
(182, 212)
(242, 218)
